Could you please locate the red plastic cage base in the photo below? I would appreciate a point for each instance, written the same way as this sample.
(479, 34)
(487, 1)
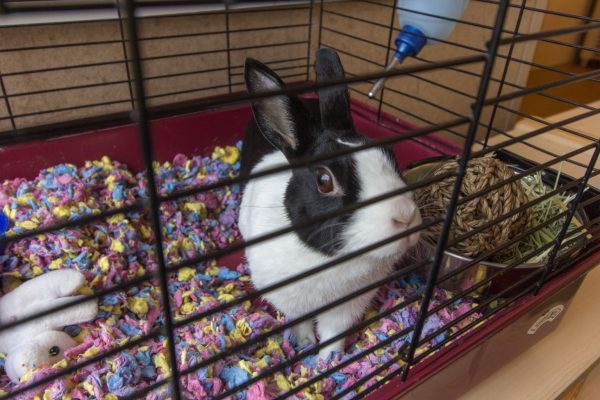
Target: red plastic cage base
(466, 362)
(452, 370)
(191, 134)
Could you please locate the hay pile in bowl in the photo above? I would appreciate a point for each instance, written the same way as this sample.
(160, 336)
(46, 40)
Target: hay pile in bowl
(481, 173)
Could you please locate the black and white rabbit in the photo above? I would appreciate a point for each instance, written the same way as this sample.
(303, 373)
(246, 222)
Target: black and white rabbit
(287, 128)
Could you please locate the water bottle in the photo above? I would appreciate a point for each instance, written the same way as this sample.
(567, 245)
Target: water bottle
(422, 22)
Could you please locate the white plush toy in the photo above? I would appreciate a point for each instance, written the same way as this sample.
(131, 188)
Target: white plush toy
(41, 342)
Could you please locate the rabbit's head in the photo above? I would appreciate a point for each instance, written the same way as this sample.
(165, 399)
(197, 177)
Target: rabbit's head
(302, 130)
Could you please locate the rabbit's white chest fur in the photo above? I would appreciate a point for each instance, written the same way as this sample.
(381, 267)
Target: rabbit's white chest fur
(262, 211)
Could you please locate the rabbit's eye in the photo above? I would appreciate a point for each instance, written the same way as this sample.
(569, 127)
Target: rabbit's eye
(324, 180)
(54, 350)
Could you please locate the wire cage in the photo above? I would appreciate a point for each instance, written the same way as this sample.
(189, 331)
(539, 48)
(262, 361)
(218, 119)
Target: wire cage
(144, 81)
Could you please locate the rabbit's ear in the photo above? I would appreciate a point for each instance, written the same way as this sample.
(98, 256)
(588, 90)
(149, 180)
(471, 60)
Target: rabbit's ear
(334, 101)
(282, 119)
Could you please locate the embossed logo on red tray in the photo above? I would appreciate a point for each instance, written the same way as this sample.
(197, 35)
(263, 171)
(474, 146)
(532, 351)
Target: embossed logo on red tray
(548, 316)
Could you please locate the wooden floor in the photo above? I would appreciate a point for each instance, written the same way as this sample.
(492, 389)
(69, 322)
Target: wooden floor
(581, 92)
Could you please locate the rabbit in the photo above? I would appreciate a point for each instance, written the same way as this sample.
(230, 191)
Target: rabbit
(287, 128)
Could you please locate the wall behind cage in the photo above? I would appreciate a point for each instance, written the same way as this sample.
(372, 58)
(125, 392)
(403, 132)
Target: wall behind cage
(63, 71)
(184, 57)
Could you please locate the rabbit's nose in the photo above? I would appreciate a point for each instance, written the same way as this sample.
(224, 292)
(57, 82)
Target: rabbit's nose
(406, 213)
(399, 223)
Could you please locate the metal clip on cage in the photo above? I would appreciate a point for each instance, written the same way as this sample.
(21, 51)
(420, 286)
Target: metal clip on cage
(152, 79)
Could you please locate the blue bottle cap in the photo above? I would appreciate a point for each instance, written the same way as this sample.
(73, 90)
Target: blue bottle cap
(409, 42)
(3, 228)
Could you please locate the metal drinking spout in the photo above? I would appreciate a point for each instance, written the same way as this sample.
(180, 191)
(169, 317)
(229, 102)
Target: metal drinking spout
(382, 80)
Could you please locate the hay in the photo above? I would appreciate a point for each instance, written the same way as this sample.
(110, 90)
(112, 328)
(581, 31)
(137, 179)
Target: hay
(481, 173)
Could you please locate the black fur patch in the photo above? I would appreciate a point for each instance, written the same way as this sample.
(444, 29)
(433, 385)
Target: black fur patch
(303, 201)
